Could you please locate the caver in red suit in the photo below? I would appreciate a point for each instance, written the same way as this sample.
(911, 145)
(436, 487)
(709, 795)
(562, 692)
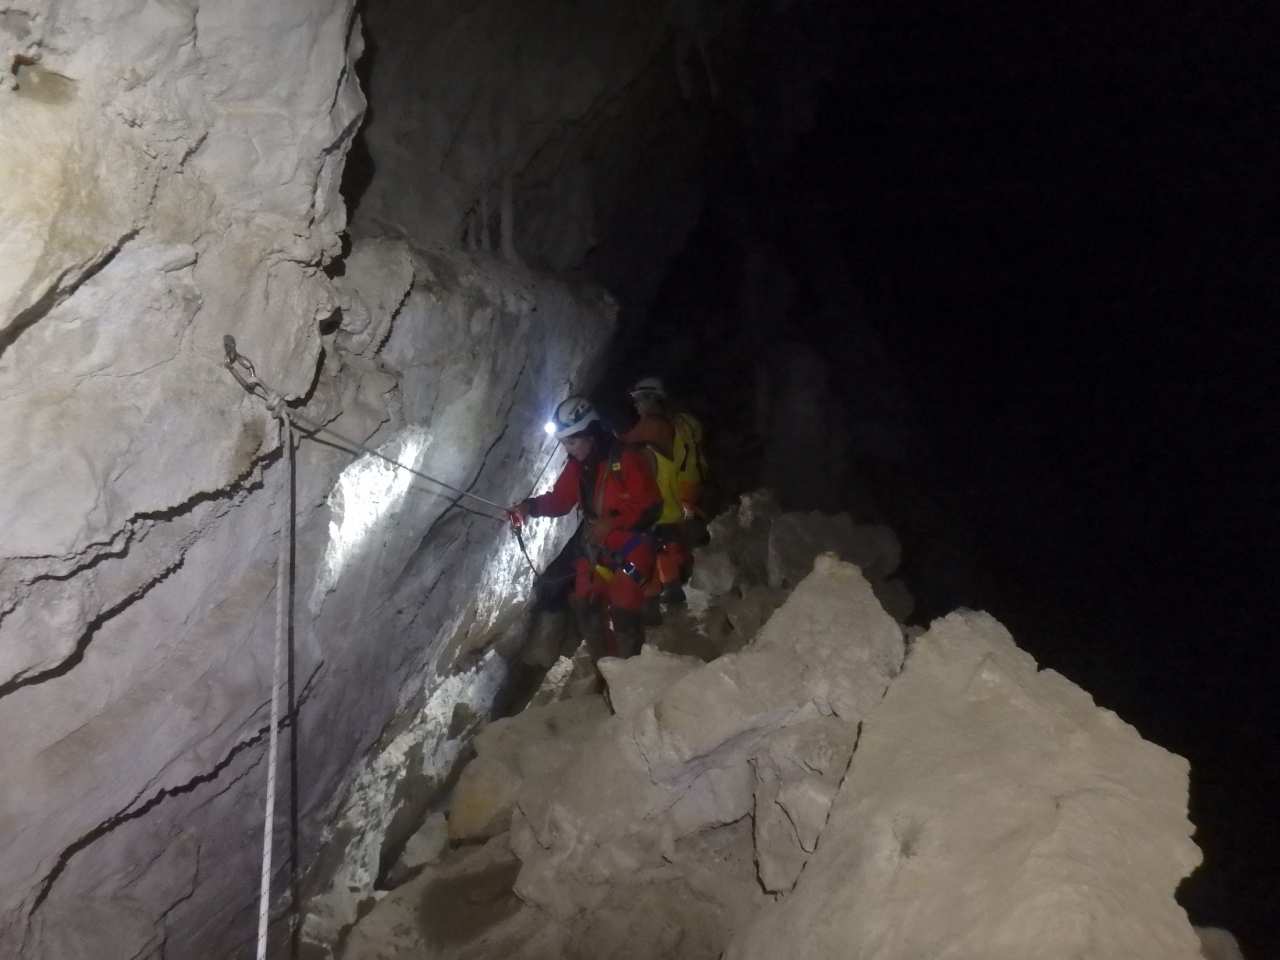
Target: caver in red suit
(614, 486)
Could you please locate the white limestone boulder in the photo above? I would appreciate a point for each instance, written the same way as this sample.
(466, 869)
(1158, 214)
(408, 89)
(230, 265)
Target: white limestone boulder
(829, 649)
(992, 811)
(661, 772)
(833, 625)
(480, 806)
(797, 774)
(536, 742)
(713, 571)
(636, 682)
(1218, 944)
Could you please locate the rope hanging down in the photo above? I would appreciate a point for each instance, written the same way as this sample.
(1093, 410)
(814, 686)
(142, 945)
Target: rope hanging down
(241, 367)
(283, 612)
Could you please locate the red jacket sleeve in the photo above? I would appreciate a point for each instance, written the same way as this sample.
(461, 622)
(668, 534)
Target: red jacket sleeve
(635, 502)
(562, 497)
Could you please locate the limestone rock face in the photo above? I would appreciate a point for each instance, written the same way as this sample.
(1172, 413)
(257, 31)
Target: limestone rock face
(171, 175)
(148, 211)
(992, 810)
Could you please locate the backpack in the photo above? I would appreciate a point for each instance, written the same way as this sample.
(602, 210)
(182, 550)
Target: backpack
(687, 453)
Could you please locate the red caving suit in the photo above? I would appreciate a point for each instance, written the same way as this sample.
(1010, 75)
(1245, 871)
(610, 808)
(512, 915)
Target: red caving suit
(620, 500)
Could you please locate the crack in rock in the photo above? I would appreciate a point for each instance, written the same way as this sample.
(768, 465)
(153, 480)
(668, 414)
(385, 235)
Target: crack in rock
(67, 283)
(134, 531)
(64, 666)
(129, 812)
(114, 549)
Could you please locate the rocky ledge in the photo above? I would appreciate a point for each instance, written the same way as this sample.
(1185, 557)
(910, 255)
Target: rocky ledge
(823, 783)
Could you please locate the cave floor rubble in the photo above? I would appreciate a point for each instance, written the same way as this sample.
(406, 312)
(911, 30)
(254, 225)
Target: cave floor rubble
(786, 769)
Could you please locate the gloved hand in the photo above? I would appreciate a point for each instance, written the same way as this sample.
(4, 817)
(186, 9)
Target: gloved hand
(518, 514)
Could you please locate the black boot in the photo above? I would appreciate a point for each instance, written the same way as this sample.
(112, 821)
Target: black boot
(673, 594)
(628, 631)
(589, 618)
(652, 612)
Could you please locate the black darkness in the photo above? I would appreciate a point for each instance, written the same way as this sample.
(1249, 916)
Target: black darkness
(1061, 229)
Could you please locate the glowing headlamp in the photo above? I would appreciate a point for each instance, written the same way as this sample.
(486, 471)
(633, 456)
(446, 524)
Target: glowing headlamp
(549, 428)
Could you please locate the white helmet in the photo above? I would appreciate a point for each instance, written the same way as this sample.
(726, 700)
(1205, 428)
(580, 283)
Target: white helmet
(649, 386)
(573, 416)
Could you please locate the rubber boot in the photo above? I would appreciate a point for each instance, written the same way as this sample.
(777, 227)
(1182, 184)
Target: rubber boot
(589, 618)
(628, 630)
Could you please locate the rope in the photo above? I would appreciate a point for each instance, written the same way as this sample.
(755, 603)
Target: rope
(516, 529)
(282, 626)
(242, 369)
(525, 550)
(317, 427)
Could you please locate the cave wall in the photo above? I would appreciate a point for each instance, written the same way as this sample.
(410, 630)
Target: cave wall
(171, 174)
(594, 119)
